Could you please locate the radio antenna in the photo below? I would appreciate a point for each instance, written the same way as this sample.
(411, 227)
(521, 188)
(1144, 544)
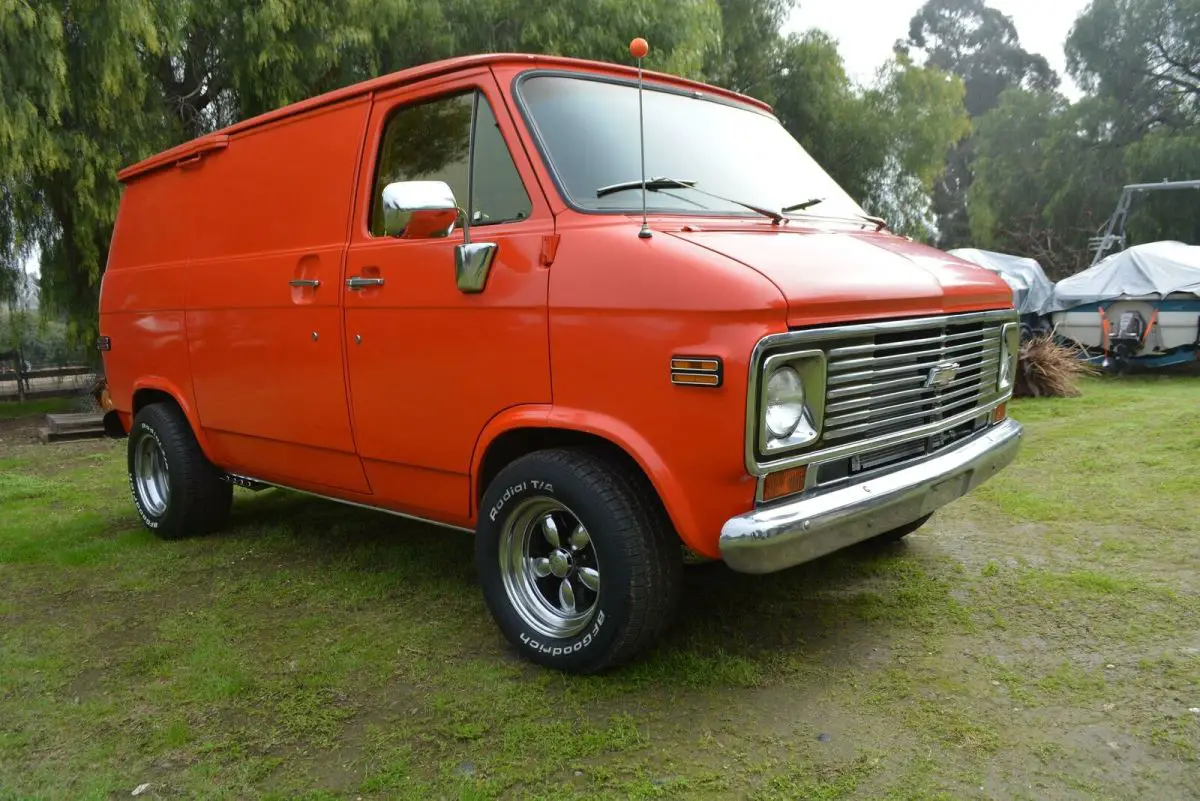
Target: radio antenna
(638, 48)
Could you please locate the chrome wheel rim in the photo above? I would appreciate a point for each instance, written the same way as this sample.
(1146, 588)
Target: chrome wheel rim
(549, 567)
(150, 476)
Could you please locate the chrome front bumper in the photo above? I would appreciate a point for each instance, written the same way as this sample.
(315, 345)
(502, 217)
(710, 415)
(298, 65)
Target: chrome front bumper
(777, 537)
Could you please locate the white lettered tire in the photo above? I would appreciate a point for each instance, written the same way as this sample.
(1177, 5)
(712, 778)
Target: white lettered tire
(580, 567)
(176, 490)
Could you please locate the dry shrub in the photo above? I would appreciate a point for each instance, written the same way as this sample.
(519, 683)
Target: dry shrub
(1046, 368)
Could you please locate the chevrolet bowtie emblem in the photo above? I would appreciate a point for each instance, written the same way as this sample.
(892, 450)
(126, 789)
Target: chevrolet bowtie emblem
(940, 375)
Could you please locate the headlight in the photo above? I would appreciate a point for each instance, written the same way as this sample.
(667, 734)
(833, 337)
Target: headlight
(785, 403)
(793, 400)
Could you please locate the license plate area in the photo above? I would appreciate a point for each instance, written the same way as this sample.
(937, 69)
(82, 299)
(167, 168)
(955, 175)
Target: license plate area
(945, 491)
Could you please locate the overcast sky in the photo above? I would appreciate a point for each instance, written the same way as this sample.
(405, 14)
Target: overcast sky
(867, 29)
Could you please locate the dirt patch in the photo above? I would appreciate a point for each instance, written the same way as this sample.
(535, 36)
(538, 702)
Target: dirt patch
(19, 431)
(53, 458)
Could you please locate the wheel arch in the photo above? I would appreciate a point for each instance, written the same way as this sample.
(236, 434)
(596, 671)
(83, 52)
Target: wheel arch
(519, 432)
(159, 390)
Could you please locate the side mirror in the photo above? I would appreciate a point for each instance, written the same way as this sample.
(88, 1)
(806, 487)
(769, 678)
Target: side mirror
(419, 209)
(428, 210)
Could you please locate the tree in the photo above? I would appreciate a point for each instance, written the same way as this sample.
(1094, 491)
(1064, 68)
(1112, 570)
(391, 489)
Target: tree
(1048, 173)
(1047, 176)
(90, 86)
(228, 60)
(748, 57)
(76, 107)
(1145, 55)
(887, 145)
(922, 112)
(817, 104)
(980, 45)
(225, 60)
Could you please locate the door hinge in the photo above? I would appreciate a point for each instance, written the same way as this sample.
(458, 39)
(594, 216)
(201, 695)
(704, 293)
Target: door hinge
(549, 249)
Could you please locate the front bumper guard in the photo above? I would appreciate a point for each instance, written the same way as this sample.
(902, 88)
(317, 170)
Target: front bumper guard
(778, 537)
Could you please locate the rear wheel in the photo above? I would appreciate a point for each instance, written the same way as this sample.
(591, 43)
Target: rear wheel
(580, 567)
(176, 490)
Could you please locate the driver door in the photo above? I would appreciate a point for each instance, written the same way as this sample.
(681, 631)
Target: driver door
(432, 358)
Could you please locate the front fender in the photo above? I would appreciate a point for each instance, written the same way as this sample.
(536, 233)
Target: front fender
(611, 429)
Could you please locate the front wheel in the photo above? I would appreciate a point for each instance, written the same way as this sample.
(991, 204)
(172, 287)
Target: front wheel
(580, 567)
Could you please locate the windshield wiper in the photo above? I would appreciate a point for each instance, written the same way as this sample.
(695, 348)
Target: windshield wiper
(878, 222)
(652, 185)
(658, 184)
(808, 204)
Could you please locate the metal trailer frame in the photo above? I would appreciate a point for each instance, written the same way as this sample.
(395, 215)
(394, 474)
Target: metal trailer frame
(1114, 234)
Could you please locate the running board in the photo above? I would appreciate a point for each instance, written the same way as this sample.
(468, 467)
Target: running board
(245, 482)
(255, 485)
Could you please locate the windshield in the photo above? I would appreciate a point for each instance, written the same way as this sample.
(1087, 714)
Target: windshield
(589, 132)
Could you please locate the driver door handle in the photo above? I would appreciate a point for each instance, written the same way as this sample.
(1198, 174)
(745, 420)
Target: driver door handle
(357, 282)
(312, 282)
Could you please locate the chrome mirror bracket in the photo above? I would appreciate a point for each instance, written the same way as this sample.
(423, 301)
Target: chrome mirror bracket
(473, 264)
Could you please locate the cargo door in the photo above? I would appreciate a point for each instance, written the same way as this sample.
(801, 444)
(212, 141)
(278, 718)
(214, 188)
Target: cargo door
(264, 315)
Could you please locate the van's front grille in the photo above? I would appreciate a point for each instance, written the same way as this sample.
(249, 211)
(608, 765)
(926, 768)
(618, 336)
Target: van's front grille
(893, 390)
(895, 380)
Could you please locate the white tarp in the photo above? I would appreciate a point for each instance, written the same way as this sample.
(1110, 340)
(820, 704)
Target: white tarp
(1032, 290)
(1156, 269)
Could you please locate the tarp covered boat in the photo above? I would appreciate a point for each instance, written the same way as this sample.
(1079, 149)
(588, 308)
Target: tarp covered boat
(1141, 305)
(1033, 293)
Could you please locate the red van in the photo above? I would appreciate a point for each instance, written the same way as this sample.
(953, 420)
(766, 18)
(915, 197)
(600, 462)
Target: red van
(432, 294)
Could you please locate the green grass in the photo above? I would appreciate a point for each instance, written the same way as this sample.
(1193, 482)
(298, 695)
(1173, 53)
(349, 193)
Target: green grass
(11, 410)
(313, 651)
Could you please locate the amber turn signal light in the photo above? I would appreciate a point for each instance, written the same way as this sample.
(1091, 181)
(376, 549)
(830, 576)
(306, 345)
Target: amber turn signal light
(696, 380)
(785, 482)
(1000, 413)
(696, 371)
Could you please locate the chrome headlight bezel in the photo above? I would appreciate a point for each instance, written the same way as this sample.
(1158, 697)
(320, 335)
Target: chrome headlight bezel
(809, 367)
(1010, 348)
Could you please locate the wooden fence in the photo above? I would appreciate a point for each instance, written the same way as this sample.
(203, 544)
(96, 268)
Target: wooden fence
(45, 382)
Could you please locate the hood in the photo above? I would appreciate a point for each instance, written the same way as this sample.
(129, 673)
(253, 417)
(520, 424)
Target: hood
(835, 277)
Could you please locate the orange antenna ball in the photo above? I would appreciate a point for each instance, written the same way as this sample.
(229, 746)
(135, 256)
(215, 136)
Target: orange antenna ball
(639, 47)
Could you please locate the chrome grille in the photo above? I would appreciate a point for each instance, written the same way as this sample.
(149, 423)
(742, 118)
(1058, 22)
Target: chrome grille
(878, 383)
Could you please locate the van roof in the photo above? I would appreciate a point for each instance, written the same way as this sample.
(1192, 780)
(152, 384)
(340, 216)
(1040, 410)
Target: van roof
(220, 139)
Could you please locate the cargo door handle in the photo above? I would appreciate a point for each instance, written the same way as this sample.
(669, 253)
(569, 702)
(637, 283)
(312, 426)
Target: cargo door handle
(312, 282)
(362, 283)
